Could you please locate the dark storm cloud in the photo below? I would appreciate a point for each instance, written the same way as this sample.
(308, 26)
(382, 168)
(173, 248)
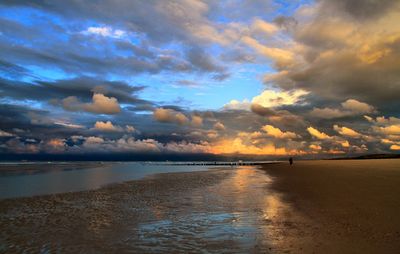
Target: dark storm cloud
(350, 50)
(363, 9)
(82, 88)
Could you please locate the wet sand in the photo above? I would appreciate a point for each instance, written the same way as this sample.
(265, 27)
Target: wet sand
(349, 206)
(216, 211)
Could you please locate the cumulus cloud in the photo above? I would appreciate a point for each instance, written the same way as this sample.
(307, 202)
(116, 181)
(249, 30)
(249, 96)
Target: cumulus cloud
(318, 134)
(357, 106)
(344, 143)
(315, 147)
(197, 121)
(277, 133)
(350, 107)
(272, 99)
(345, 131)
(382, 120)
(219, 126)
(268, 99)
(101, 104)
(106, 126)
(237, 105)
(389, 130)
(170, 116)
(395, 147)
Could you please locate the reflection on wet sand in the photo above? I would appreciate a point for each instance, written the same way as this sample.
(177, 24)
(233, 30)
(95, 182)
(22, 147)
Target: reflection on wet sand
(227, 210)
(240, 213)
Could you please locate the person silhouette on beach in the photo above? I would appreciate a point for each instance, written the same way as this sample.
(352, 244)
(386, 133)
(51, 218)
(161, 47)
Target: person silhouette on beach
(290, 160)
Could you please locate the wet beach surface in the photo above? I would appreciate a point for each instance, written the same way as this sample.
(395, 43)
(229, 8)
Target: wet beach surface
(309, 207)
(217, 211)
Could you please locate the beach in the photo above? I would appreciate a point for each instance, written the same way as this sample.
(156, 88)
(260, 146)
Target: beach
(350, 206)
(309, 207)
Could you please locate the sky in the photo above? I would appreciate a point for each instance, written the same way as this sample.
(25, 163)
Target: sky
(199, 77)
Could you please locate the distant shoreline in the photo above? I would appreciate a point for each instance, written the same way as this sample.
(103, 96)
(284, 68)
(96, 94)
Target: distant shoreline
(369, 157)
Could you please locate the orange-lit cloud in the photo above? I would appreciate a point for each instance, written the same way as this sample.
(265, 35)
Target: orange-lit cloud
(318, 134)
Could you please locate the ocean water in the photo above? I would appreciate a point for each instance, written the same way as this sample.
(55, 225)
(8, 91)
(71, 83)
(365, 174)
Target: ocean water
(33, 179)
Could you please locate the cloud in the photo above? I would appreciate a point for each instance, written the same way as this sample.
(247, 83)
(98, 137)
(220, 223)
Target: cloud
(382, 120)
(360, 9)
(345, 131)
(237, 105)
(389, 130)
(203, 61)
(5, 134)
(197, 121)
(268, 99)
(355, 59)
(350, 107)
(130, 144)
(315, 147)
(130, 129)
(55, 145)
(318, 134)
(282, 57)
(70, 125)
(344, 143)
(170, 116)
(395, 147)
(105, 31)
(238, 145)
(82, 88)
(277, 133)
(263, 27)
(219, 126)
(357, 107)
(271, 98)
(328, 113)
(106, 126)
(101, 104)
(262, 111)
